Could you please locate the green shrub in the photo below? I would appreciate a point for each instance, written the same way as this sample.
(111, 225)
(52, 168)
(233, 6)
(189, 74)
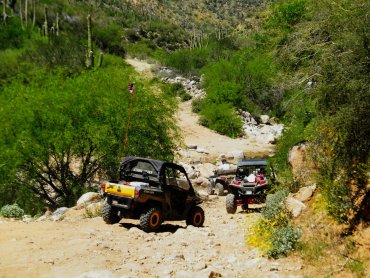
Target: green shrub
(284, 240)
(11, 34)
(274, 204)
(312, 251)
(185, 96)
(221, 118)
(273, 234)
(288, 13)
(338, 201)
(357, 267)
(196, 105)
(109, 39)
(93, 211)
(12, 211)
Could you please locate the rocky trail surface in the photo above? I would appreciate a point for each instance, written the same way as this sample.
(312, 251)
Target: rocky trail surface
(87, 247)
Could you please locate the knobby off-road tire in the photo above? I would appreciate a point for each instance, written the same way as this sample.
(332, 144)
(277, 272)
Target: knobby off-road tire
(151, 219)
(230, 203)
(220, 189)
(110, 214)
(245, 207)
(195, 217)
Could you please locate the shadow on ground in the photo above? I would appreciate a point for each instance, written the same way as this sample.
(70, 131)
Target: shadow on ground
(164, 228)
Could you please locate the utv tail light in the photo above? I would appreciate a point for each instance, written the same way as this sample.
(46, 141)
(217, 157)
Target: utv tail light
(136, 193)
(103, 187)
(237, 182)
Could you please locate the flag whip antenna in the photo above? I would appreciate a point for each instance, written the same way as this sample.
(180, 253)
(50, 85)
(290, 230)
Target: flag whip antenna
(132, 91)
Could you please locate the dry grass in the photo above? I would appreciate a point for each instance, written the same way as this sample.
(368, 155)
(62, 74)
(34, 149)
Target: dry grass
(326, 252)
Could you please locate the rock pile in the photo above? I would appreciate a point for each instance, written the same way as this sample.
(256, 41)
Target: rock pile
(191, 86)
(266, 130)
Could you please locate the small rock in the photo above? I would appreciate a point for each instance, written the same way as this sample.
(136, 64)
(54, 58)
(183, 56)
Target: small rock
(199, 266)
(58, 214)
(264, 119)
(231, 259)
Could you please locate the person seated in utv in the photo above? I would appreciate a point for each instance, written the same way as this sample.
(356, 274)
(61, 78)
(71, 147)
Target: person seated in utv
(260, 178)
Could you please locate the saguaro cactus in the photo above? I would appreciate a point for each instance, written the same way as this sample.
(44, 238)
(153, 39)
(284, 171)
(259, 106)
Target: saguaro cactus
(4, 11)
(26, 12)
(45, 26)
(21, 13)
(57, 24)
(100, 61)
(34, 13)
(90, 52)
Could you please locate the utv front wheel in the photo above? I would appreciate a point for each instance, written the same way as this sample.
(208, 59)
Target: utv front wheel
(151, 219)
(220, 189)
(195, 217)
(230, 203)
(110, 214)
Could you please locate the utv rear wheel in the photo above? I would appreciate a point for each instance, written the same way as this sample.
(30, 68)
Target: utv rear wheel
(220, 189)
(230, 203)
(151, 219)
(110, 214)
(195, 217)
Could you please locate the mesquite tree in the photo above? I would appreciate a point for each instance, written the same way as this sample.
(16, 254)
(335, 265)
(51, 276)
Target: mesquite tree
(60, 136)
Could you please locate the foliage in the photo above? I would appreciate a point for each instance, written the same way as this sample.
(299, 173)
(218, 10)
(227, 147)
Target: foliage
(12, 211)
(8, 65)
(93, 211)
(59, 132)
(341, 145)
(273, 234)
(109, 39)
(313, 250)
(287, 13)
(274, 204)
(196, 105)
(63, 51)
(283, 241)
(221, 118)
(357, 267)
(12, 35)
(337, 199)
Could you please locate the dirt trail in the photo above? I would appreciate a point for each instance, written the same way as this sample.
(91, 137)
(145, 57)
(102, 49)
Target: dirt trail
(212, 142)
(87, 247)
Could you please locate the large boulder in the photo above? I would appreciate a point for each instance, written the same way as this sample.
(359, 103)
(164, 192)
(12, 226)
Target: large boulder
(89, 197)
(206, 170)
(201, 182)
(294, 206)
(305, 193)
(302, 165)
(235, 156)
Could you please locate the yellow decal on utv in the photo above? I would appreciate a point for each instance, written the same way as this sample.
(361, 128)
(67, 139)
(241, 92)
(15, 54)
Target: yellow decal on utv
(120, 189)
